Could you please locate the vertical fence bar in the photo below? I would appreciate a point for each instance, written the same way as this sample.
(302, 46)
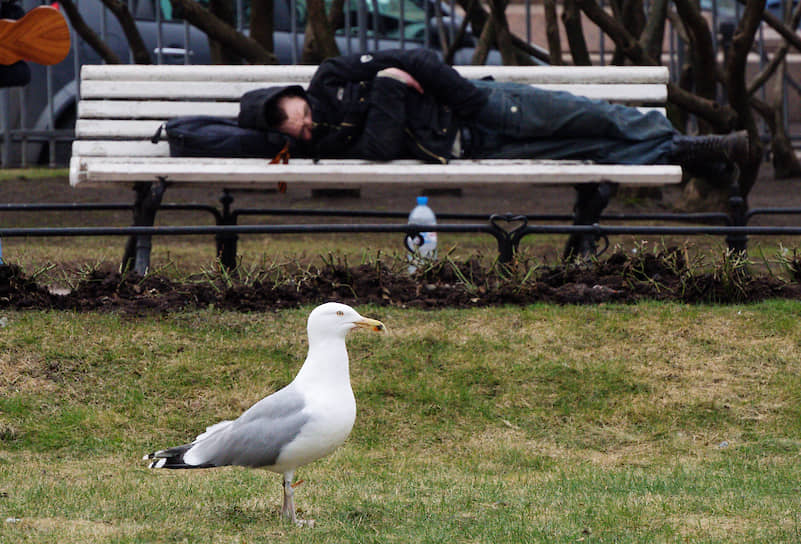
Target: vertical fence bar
(187, 43)
(528, 21)
(361, 18)
(23, 114)
(159, 35)
(601, 42)
(426, 18)
(5, 124)
(402, 23)
(293, 30)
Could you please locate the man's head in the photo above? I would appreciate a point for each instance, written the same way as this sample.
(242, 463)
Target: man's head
(291, 114)
(278, 108)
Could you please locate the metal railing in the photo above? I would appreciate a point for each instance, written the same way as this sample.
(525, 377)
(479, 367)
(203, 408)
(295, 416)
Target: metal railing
(507, 229)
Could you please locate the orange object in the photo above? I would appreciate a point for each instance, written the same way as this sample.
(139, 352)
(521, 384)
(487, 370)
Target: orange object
(282, 157)
(41, 36)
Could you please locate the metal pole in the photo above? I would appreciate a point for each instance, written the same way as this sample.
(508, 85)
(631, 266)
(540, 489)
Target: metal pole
(6, 121)
(362, 20)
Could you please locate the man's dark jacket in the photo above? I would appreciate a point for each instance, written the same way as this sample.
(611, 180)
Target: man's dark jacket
(359, 115)
(362, 116)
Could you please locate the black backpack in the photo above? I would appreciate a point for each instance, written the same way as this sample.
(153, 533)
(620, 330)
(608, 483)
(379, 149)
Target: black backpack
(207, 136)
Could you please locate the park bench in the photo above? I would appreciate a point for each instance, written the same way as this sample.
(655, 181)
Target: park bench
(122, 106)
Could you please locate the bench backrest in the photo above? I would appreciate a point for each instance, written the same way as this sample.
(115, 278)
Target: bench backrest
(122, 106)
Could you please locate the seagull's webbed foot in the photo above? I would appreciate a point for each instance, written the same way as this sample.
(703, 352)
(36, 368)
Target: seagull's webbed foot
(288, 510)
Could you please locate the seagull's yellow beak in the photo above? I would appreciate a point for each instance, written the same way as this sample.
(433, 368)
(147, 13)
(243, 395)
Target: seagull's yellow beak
(367, 323)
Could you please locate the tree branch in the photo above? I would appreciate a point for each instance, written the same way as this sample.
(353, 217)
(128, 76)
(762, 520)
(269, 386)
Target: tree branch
(135, 41)
(703, 51)
(89, 35)
(711, 110)
(759, 80)
(552, 32)
(571, 18)
(218, 30)
(623, 40)
(653, 34)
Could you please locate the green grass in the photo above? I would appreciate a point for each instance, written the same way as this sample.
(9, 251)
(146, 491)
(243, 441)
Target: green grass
(14, 174)
(644, 423)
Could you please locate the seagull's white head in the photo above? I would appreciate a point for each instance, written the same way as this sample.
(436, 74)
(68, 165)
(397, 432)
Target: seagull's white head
(335, 319)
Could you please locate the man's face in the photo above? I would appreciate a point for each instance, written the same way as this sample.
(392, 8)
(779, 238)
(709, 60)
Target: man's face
(299, 117)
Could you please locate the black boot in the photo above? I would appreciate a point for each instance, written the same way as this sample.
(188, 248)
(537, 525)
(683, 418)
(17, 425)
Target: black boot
(692, 151)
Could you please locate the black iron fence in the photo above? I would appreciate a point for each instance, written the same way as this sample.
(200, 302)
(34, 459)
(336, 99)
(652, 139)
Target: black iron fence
(507, 229)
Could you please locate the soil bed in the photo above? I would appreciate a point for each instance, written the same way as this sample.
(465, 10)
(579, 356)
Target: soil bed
(618, 278)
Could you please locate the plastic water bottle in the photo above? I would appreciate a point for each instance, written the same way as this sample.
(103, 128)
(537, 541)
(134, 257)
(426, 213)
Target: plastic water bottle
(423, 247)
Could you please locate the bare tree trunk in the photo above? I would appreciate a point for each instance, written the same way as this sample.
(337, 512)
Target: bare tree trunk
(89, 35)
(502, 35)
(336, 17)
(319, 43)
(737, 91)
(220, 54)
(785, 162)
(135, 41)
(653, 35)
(261, 23)
(221, 32)
(477, 17)
(552, 32)
(457, 39)
(634, 20)
(571, 18)
(705, 68)
(475, 14)
(716, 113)
(485, 41)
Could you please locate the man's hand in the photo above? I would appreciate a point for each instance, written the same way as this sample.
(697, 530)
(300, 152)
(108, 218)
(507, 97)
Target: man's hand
(402, 76)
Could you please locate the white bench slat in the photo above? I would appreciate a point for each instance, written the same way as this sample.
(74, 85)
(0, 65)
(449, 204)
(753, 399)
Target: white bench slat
(118, 138)
(302, 74)
(120, 148)
(88, 171)
(116, 129)
(165, 109)
(152, 109)
(232, 91)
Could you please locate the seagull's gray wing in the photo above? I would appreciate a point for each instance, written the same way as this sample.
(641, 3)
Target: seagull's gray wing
(257, 437)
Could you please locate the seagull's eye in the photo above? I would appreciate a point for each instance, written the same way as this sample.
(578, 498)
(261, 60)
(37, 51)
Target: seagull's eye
(340, 313)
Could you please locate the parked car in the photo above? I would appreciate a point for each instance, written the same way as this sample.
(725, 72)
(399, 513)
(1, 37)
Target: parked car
(43, 113)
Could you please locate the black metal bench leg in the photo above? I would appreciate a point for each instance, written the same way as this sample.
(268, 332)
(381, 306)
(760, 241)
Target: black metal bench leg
(226, 243)
(738, 213)
(137, 249)
(591, 199)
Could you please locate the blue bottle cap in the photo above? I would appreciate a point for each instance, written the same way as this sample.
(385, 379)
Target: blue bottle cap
(422, 200)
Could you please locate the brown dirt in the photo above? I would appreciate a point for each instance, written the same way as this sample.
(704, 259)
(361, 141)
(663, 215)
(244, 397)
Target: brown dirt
(617, 277)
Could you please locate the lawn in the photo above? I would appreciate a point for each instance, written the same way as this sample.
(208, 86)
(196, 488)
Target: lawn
(654, 422)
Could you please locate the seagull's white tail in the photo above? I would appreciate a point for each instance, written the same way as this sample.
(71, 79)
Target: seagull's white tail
(174, 457)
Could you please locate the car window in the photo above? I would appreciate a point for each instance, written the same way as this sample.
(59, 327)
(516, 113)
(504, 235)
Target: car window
(145, 10)
(385, 25)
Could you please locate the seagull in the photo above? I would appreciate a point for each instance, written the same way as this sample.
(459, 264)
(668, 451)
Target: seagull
(306, 420)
